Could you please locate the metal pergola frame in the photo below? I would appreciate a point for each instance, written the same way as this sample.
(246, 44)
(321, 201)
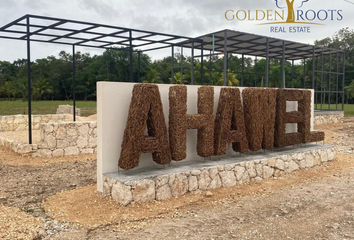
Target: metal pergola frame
(86, 34)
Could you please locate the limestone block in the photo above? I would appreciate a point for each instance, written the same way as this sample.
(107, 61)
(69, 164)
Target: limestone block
(259, 170)
(92, 142)
(179, 186)
(122, 194)
(251, 169)
(271, 162)
(192, 183)
(239, 171)
(204, 180)
(324, 156)
(215, 183)
(61, 133)
(82, 142)
(84, 130)
(279, 164)
(87, 151)
(163, 192)
(267, 172)
(143, 190)
(62, 144)
(196, 172)
(44, 153)
(71, 151)
(331, 154)
(50, 141)
(58, 153)
(71, 132)
(213, 172)
(161, 180)
(228, 178)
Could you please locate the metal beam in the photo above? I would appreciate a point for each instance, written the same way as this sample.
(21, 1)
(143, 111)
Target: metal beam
(192, 64)
(225, 59)
(172, 65)
(130, 57)
(74, 83)
(29, 87)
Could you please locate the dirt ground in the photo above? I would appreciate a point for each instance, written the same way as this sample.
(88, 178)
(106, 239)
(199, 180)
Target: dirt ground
(56, 199)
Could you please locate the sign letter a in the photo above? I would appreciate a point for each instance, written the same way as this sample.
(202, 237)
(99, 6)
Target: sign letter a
(145, 112)
(229, 123)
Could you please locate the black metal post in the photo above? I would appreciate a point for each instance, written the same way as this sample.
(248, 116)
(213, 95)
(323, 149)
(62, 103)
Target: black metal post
(29, 87)
(210, 66)
(243, 70)
(74, 84)
(131, 56)
(292, 74)
(322, 80)
(202, 64)
(337, 78)
(329, 80)
(343, 81)
(267, 63)
(192, 64)
(225, 58)
(173, 65)
(304, 80)
(181, 64)
(282, 84)
(313, 69)
(255, 73)
(139, 53)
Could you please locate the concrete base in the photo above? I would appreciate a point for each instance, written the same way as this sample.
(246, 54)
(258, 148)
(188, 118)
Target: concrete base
(158, 183)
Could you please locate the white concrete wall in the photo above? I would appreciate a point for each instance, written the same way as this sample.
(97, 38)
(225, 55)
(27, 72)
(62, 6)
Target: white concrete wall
(113, 101)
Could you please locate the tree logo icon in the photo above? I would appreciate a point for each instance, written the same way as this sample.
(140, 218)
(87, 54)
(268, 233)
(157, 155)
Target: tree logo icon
(290, 6)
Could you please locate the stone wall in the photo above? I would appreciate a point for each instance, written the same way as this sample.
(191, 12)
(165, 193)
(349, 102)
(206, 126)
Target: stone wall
(20, 122)
(328, 117)
(59, 139)
(67, 109)
(71, 138)
(176, 184)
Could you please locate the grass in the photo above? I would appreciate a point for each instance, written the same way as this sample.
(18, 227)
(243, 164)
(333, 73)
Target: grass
(44, 107)
(348, 108)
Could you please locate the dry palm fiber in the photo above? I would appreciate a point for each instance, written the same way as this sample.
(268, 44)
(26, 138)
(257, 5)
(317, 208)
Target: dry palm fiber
(229, 123)
(302, 117)
(305, 126)
(180, 121)
(145, 112)
(259, 111)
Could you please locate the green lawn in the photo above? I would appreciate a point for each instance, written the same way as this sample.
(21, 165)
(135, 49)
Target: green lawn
(44, 107)
(348, 108)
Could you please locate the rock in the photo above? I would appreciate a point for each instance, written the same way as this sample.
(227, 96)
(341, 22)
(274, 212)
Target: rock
(245, 178)
(317, 160)
(309, 160)
(179, 186)
(271, 162)
(229, 167)
(87, 151)
(251, 169)
(161, 180)
(209, 194)
(215, 183)
(204, 180)
(61, 133)
(279, 164)
(239, 172)
(92, 142)
(83, 130)
(292, 167)
(82, 142)
(213, 172)
(192, 183)
(71, 151)
(196, 172)
(58, 153)
(163, 192)
(143, 191)
(228, 178)
(122, 194)
(44, 153)
(71, 132)
(259, 170)
(331, 154)
(323, 155)
(50, 141)
(267, 172)
(62, 144)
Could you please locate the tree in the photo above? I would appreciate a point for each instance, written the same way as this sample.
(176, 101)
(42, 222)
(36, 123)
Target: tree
(152, 77)
(231, 79)
(349, 91)
(40, 87)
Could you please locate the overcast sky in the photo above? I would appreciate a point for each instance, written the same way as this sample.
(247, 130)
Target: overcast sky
(184, 17)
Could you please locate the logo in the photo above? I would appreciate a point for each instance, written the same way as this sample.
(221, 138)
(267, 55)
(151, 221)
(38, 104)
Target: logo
(287, 12)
